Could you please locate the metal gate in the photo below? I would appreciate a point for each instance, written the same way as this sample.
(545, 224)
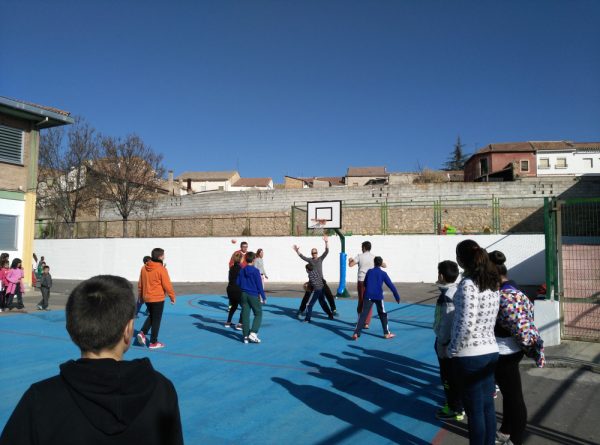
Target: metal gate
(573, 264)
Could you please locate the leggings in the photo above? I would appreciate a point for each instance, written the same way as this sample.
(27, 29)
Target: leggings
(234, 294)
(514, 411)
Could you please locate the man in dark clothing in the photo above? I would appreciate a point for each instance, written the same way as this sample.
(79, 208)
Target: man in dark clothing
(100, 398)
(317, 262)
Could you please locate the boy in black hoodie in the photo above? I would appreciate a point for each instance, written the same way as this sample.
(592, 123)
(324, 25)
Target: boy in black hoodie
(100, 398)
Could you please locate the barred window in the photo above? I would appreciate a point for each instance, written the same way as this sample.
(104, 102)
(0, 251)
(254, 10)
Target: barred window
(8, 232)
(11, 145)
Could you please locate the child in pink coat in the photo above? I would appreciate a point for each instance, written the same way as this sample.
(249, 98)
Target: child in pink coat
(14, 276)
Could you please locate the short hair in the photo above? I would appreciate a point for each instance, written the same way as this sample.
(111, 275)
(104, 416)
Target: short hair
(98, 310)
(46, 267)
(366, 245)
(250, 257)
(378, 261)
(146, 259)
(449, 270)
(157, 253)
(309, 267)
(242, 243)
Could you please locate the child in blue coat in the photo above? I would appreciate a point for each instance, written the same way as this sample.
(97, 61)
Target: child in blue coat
(374, 296)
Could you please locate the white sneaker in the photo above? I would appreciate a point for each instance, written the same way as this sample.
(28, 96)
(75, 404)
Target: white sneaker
(502, 438)
(245, 340)
(253, 338)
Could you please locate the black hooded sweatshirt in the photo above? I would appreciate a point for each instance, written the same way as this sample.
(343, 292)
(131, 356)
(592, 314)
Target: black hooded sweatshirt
(98, 401)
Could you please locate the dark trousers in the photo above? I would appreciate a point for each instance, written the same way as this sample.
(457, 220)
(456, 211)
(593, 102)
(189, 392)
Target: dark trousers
(251, 302)
(450, 383)
(514, 411)
(10, 299)
(367, 310)
(360, 287)
(234, 294)
(328, 295)
(317, 295)
(3, 298)
(45, 297)
(152, 323)
(477, 374)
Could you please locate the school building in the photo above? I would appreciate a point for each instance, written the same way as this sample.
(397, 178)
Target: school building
(20, 125)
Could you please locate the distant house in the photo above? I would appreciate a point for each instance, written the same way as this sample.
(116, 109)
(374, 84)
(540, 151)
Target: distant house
(357, 176)
(292, 182)
(506, 162)
(197, 182)
(252, 184)
(20, 125)
(501, 162)
(566, 158)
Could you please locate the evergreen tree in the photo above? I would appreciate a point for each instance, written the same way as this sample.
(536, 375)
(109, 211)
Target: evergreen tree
(457, 159)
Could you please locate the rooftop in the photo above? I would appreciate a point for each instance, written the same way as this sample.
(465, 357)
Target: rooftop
(44, 116)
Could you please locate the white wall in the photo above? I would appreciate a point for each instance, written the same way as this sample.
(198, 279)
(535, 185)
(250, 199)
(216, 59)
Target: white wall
(410, 258)
(576, 165)
(15, 208)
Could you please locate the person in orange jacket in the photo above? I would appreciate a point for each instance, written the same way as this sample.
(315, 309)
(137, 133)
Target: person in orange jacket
(154, 282)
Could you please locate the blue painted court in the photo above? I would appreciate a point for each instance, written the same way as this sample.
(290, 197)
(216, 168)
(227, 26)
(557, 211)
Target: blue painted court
(305, 383)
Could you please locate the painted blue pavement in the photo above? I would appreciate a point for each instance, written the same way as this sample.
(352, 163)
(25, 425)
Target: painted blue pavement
(305, 383)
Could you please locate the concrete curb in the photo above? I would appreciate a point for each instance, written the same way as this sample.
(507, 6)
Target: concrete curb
(565, 362)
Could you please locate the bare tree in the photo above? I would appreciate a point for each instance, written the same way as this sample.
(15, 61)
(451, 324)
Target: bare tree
(64, 187)
(129, 173)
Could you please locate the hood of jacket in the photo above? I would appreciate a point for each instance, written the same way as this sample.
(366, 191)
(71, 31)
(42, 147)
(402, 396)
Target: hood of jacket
(153, 265)
(110, 393)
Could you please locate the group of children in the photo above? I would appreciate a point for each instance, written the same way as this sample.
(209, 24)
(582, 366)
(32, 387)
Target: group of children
(12, 286)
(245, 288)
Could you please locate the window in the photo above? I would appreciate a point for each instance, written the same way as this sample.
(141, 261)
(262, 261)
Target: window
(8, 232)
(483, 166)
(524, 166)
(561, 162)
(588, 163)
(11, 145)
(544, 163)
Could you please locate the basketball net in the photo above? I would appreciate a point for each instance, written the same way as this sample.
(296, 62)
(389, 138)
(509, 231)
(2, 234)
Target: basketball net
(317, 227)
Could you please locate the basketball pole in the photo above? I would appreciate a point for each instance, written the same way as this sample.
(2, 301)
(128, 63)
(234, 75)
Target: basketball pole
(342, 292)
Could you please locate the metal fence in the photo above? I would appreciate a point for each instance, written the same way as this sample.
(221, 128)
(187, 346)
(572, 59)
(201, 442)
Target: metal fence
(573, 264)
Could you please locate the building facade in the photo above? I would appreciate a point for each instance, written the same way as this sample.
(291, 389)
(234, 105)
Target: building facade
(20, 125)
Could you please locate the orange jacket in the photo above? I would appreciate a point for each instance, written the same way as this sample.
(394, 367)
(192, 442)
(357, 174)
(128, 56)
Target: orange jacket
(154, 282)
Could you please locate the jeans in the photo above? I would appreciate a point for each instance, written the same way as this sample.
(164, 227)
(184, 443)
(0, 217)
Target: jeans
(477, 376)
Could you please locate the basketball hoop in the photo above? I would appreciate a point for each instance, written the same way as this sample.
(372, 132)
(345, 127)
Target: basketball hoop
(317, 226)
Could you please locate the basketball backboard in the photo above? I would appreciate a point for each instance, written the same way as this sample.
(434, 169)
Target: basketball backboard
(324, 215)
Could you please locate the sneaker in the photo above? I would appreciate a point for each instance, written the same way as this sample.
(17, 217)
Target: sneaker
(366, 326)
(496, 391)
(156, 345)
(445, 413)
(40, 308)
(306, 320)
(502, 438)
(336, 313)
(389, 335)
(253, 338)
(246, 340)
(141, 338)
(354, 337)
(227, 324)
(238, 327)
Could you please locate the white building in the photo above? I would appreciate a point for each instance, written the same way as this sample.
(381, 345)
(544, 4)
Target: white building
(198, 182)
(568, 159)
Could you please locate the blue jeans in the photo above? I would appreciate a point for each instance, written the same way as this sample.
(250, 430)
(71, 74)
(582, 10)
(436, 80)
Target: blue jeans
(477, 375)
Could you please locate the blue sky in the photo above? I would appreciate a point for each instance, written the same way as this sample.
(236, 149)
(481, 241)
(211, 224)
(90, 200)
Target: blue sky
(310, 87)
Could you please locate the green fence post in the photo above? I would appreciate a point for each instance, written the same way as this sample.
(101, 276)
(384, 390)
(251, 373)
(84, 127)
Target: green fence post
(550, 248)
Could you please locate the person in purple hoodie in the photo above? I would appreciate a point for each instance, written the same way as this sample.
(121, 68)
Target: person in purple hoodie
(374, 296)
(250, 282)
